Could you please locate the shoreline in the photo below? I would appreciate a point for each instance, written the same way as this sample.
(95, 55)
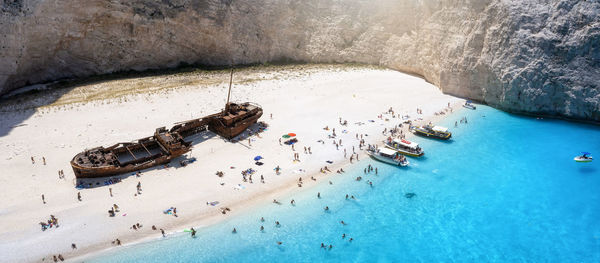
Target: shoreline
(319, 99)
(261, 200)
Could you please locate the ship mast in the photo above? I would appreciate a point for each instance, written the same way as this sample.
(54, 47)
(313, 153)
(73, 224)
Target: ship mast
(229, 92)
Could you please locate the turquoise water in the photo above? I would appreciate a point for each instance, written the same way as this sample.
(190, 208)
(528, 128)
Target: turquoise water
(505, 189)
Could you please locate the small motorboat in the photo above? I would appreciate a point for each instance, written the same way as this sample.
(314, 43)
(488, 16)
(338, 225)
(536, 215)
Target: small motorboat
(585, 157)
(405, 147)
(387, 155)
(438, 132)
(468, 104)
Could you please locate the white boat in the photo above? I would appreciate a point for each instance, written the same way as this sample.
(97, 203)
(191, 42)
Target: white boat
(468, 105)
(388, 156)
(405, 147)
(584, 158)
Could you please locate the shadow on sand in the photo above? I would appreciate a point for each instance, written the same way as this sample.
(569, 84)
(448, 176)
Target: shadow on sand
(87, 183)
(19, 105)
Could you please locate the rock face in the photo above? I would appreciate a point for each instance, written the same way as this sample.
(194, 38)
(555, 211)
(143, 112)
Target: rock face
(530, 56)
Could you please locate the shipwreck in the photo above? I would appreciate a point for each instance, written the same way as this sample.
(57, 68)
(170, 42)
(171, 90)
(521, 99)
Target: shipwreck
(166, 144)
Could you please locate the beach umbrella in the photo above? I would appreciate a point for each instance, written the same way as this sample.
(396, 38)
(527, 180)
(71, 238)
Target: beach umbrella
(257, 158)
(291, 134)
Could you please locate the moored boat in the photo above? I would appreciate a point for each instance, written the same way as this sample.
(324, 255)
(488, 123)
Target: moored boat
(387, 155)
(405, 147)
(438, 132)
(468, 104)
(585, 157)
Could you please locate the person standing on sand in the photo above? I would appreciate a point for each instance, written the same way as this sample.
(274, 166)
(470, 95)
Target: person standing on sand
(44, 160)
(73, 246)
(175, 211)
(110, 191)
(32, 160)
(309, 152)
(43, 199)
(79, 196)
(249, 144)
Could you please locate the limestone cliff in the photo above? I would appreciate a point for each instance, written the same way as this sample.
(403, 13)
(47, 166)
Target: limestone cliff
(533, 56)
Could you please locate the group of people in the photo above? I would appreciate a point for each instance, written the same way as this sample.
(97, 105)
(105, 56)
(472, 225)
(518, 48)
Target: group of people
(53, 221)
(114, 209)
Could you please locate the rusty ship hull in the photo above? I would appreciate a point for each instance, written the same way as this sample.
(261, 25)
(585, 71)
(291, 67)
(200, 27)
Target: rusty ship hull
(234, 122)
(122, 158)
(93, 172)
(165, 145)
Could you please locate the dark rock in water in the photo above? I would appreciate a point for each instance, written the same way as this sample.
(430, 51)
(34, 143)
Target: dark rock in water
(410, 195)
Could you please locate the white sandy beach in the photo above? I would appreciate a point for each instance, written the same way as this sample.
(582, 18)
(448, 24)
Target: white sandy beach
(301, 103)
